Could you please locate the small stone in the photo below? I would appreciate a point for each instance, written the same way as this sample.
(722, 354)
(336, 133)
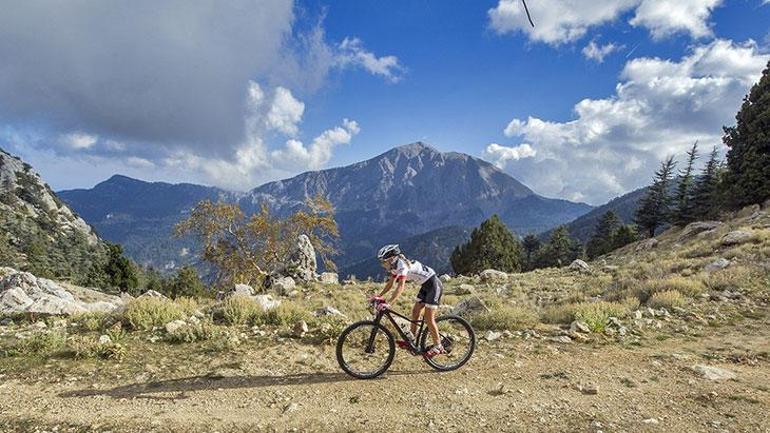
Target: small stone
(104, 339)
(464, 289)
(300, 328)
(564, 339)
(328, 311)
(579, 265)
(291, 407)
(193, 320)
(652, 421)
(174, 326)
(329, 278)
(492, 335)
(588, 389)
(243, 289)
(445, 278)
(579, 326)
(736, 237)
(638, 314)
(713, 373)
(39, 325)
(493, 276)
(718, 264)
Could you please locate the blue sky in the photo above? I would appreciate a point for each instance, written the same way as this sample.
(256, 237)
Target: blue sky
(582, 107)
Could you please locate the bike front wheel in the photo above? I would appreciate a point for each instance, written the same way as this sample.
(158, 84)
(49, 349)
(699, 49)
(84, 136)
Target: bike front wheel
(459, 341)
(365, 349)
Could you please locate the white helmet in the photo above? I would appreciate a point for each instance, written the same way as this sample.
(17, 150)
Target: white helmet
(388, 251)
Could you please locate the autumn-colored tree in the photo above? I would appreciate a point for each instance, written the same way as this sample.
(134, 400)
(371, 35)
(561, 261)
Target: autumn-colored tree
(247, 249)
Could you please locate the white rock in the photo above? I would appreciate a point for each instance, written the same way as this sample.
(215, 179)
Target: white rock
(579, 265)
(469, 306)
(718, 264)
(284, 285)
(736, 237)
(242, 289)
(175, 325)
(492, 335)
(328, 311)
(646, 244)
(153, 294)
(105, 339)
(579, 326)
(713, 373)
(266, 302)
(329, 278)
(493, 276)
(445, 278)
(300, 328)
(464, 289)
(651, 421)
(696, 227)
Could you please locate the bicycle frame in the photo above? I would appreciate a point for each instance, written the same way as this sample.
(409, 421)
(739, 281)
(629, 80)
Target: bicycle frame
(389, 314)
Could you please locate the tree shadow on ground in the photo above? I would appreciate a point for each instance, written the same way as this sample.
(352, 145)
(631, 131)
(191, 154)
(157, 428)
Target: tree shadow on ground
(215, 382)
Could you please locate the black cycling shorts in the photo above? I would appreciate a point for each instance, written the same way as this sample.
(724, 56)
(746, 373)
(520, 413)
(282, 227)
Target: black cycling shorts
(430, 292)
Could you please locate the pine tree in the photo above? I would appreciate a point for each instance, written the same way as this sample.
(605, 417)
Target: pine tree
(186, 283)
(603, 239)
(120, 272)
(531, 244)
(559, 250)
(705, 199)
(625, 234)
(492, 246)
(748, 160)
(683, 213)
(655, 208)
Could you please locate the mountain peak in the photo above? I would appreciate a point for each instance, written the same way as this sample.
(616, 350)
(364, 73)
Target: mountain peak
(414, 149)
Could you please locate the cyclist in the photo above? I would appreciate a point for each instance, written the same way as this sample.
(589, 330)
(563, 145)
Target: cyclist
(402, 270)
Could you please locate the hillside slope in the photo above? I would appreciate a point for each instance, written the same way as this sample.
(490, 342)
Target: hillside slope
(39, 232)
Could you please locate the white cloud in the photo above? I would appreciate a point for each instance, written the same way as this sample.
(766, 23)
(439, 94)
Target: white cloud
(502, 154)
(296, 154)
(351, 52)
(285, 112)
(556, 21)
(596, 52)
(659, 108)
(563, 21)
(78, 140)
(666, 17)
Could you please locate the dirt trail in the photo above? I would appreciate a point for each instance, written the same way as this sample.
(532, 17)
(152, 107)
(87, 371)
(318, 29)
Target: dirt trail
(638, 389)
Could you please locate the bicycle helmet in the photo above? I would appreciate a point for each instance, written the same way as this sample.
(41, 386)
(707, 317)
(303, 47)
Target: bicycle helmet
(388, 251)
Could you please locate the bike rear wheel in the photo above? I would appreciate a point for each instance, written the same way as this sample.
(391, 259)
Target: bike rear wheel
(365, 349)
(457, 337)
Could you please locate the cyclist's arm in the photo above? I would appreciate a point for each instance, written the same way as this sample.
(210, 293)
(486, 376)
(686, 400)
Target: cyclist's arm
(388, 286)
(399, 290)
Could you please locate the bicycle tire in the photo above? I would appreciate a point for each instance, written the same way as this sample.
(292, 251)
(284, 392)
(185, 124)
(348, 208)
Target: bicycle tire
(341, 343)
(471, 335)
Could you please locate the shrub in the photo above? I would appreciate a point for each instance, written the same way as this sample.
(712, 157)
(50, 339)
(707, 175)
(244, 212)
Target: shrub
(148, 312)
(505, 317)
(555, 314)
(85, 347)
(596, 314)
(666, 299)
(687, 286)
(240, 310)
(192, 332)
(41, 344)
(90, 321)
(326, 329)
(285, 314)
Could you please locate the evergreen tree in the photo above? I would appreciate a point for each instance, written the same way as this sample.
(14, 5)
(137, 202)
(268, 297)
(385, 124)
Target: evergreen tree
(748, 160)
(531, 244)
(705, 200)
(625, 234)
(492, 246)
(119, 270)
(186, 282)
(655, 208)
(602, 241)
(559, 250)
(683, 213)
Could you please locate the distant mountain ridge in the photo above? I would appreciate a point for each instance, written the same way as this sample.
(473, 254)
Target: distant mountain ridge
(406, 191)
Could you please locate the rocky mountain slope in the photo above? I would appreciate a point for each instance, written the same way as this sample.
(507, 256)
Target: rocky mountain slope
(407, 191)
(39, 232)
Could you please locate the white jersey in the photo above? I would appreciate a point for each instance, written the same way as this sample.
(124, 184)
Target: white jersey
(417, 272)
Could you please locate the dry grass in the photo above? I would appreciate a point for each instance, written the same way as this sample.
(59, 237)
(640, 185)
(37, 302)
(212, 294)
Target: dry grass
(505, 317)
(666, 299)
(146, 313)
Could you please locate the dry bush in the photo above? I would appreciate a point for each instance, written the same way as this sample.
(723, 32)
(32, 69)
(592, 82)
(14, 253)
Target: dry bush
(240, 310)
(596, 314)
(89, 347)
(192, 332)
(505, 317)
(687, 286)
(148, 312)
(666, 299)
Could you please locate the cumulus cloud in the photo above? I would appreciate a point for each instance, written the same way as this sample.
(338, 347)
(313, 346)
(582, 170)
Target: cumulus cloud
(320, 150)
(170, 82)
(78, 140)
(659, 108)
(352, 52)
(596, 52)
(666, 17)
(563, 21)
(502, 154)
(556, 21)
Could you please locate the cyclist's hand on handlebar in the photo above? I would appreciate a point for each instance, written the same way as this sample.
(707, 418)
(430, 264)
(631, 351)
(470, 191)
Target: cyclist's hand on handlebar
(376, 298)
(382, 306)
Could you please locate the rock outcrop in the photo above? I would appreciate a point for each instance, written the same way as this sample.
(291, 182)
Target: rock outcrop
(302, 263)
(22, 292)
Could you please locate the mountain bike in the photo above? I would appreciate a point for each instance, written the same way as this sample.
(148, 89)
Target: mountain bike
(366, 349)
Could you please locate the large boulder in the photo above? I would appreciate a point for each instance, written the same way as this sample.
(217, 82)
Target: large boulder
(266, 302)
(329, 278)
(469, 306)
(493, 276)
(284, 285)
(696, 227)
(736, 237)
(302, 264)
(579, 265)
(646, 244)
(22, 292)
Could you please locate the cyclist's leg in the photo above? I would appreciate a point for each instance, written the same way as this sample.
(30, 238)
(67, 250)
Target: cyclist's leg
(416, 310)
(430, 319)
